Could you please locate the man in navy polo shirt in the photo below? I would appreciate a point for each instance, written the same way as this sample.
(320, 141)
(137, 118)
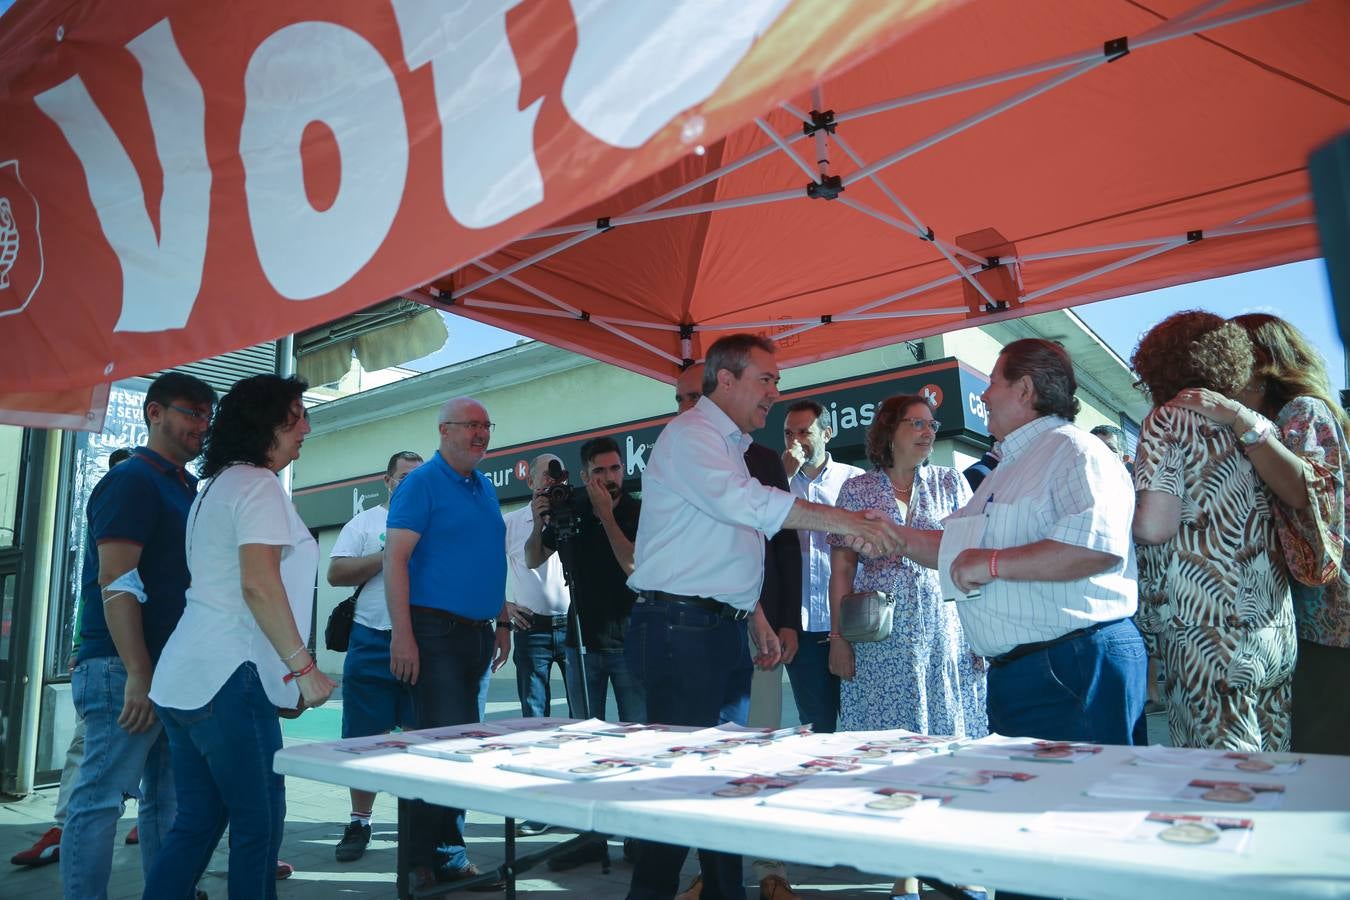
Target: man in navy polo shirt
(135, 575)
(445, 580)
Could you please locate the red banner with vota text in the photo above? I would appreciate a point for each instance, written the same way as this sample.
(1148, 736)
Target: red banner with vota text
(179, 179)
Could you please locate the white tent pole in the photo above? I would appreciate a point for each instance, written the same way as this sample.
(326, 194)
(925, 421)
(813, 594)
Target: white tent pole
(529, 260)
(1278, 207)
(1170, 30)
(801, 163)
(637, 341)
(476, 303)
(1224, 231)
(529, 289)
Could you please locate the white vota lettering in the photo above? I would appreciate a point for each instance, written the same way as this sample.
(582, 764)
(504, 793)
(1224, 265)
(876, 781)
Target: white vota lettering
(488, 168)
(320, 72)
(161, 274)
(639, 65)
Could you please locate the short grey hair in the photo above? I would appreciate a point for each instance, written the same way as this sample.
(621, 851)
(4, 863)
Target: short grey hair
(733, 354)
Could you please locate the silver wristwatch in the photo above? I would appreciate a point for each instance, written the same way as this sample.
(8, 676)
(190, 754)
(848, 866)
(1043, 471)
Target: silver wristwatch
(1257, 433)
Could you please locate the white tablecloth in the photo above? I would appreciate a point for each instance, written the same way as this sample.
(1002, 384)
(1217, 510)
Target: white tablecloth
(1300, 850)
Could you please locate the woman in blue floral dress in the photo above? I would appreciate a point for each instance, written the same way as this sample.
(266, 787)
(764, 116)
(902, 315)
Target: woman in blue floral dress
(923, 677)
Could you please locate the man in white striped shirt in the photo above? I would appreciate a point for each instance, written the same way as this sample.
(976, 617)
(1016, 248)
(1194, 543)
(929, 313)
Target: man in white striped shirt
(1046, 543)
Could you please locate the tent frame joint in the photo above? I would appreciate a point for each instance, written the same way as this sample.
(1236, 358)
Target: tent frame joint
(602, 224)
(1115, 48)
(828, 188)
(928, 235)
(820, 121)
(1194, 236)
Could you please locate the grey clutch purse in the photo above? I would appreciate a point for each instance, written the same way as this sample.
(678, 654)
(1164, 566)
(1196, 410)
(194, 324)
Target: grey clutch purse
(865, 616)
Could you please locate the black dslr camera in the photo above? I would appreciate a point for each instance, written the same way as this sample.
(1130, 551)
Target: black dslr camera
(563, 515)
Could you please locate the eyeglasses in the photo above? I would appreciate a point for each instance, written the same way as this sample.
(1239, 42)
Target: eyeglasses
(473, 425)
(195, 414)
(920, 424)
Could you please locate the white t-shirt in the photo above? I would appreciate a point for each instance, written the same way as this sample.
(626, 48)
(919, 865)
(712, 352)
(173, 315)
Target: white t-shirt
(242, 505)
(362, 536)
(543, 591)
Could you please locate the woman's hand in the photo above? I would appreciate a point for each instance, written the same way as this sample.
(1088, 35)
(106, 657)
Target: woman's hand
(1210, 404)
(315, 688)
(841, 659)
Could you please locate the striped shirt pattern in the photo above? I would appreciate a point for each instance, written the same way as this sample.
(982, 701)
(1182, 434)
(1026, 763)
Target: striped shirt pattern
(1056, 482)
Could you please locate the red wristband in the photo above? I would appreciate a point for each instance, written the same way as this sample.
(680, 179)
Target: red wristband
(291, 676)
(993, 564)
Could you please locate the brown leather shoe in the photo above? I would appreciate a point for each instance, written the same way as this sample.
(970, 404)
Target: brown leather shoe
(472, 871)
(776, 887)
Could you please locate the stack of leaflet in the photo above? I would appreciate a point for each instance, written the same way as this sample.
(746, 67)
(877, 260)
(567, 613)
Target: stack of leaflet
(984, 781)
(1022, 750)
(1186, 789)
(1183, 830)
(885, 748)
(1219, 760)
(853, 800)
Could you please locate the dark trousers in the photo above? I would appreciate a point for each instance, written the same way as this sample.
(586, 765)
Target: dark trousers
(455, 661)
(815, 688)
(693, 665)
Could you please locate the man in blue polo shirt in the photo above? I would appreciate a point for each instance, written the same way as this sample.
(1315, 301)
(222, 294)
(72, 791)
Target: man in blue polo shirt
(135, 575)
(445, 581)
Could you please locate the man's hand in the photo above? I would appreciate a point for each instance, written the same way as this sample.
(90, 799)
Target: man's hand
(518, 616)
(403, 657)
(539, 509)
(601, 502)
(794, 457)
(138, 713)
(874, 534)
(970, 569)
(767, 650)
(787, 640)
(502, 649)
(841, 659)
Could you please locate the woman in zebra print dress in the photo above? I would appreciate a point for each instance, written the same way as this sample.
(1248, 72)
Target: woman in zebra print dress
(1214, 600)
(1303, 460)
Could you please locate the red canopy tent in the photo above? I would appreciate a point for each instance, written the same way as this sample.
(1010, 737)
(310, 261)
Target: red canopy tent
(185, 179)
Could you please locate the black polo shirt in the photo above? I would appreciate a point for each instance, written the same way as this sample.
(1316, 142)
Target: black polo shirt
(599, 585)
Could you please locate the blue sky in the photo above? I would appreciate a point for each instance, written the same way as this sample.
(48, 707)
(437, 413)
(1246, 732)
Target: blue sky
(1297, 292)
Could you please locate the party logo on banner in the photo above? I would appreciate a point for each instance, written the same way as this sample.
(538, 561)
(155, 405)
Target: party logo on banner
(20, 241)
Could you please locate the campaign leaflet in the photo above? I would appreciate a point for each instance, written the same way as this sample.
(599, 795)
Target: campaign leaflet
(1186, 830)
(986, 781)
(887, 748)
(879, 802)
(1022, 750)
(1183, 789)
(1222, 760)
(466, 750)
(722, 785)
(569, 766)
(379, 744)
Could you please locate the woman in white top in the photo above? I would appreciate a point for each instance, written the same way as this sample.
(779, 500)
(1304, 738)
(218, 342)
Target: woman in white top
(238, 655)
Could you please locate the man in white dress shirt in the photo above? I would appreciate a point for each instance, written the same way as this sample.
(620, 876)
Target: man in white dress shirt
(699, 566)
(813, 474)
(1046, 542)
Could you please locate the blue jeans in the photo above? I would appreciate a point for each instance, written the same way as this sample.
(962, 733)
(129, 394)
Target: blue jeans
(116, 765)
(454, 665)
(1091, 688)
(692, 663)
(606, 667)
(814, 687)
(222, 761)
(373, 700)
(534, 653)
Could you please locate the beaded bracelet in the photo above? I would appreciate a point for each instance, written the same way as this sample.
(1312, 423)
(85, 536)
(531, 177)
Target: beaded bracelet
(993, 564)
(297, 652)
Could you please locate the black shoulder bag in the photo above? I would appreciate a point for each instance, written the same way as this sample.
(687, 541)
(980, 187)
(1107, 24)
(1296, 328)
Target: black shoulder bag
(337, 634)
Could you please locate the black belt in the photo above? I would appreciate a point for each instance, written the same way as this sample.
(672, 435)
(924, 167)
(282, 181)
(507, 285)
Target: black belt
(547, 623)
(1022, 650)
(456, 618)
(725, 610)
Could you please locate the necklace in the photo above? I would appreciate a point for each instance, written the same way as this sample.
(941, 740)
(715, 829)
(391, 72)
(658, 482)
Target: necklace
(901, 491)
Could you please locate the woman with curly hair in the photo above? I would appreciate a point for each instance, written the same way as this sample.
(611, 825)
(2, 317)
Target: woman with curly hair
(238, 653)
(1214, 599)
(1302, 457)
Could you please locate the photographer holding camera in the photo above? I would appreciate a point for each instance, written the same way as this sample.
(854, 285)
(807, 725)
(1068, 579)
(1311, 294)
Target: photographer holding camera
(595, 535)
